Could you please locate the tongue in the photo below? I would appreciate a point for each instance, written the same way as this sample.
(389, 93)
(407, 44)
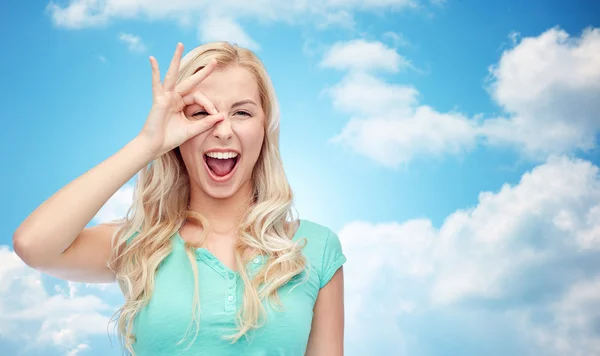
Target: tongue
(220, 167)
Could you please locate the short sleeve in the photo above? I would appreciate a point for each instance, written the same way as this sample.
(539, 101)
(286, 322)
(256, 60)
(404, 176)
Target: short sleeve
(333, 258)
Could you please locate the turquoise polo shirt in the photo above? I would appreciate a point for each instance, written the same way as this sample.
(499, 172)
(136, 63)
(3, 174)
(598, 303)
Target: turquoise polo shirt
(163, 322)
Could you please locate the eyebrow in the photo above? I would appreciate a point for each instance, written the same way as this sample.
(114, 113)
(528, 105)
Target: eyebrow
(247, 101)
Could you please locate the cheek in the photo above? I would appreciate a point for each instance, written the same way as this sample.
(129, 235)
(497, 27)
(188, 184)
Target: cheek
(190, 150)
(251, 135)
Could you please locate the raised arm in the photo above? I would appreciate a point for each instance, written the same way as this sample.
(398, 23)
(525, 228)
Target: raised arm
(54, 238)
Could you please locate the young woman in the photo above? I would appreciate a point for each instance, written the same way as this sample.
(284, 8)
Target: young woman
(209, 258)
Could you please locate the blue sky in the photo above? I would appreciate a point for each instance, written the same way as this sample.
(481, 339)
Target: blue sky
(452, 145)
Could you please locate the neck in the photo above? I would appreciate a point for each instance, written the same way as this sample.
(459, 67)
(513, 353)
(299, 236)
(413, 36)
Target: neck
(223, 214)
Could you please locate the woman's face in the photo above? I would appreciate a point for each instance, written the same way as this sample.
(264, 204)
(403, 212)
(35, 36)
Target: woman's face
(221, 160)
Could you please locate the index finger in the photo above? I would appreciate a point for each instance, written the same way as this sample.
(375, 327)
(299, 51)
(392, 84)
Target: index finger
(195, 79)
(202, 100)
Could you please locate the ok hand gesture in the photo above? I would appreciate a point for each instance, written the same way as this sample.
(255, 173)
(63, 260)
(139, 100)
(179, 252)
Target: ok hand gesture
(167, 126)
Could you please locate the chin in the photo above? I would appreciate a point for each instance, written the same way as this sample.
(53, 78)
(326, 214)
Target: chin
(220, 192)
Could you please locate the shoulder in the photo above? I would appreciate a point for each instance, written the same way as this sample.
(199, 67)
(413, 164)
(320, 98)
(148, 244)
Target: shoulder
(317, 236)
(323, 249)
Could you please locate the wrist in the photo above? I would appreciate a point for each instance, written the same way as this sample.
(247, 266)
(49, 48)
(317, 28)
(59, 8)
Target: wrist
(145, 147)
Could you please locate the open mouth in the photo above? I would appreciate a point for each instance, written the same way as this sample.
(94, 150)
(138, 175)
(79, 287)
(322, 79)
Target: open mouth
(221, 165)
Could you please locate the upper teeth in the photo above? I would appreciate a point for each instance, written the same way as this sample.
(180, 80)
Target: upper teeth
(222, 155)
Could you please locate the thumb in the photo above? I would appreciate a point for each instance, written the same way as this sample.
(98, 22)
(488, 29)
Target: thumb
(204, 124)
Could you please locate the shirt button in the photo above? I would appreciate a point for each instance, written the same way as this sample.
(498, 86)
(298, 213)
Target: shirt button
(256, 260)
(230, 298)
(231, 275)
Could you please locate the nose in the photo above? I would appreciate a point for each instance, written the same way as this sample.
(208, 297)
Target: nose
(222, 130)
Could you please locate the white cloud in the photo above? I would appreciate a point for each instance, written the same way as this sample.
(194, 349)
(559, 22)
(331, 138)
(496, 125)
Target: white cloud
(340, 18)
(30, 316)
(514, 229)
(371, 4)
(78, 14)
(90, 13)
(64, 318)
(517, 255)
(397, 38)
(365, 94)
(116, 207)
(225, 29)
(548, 87)
(361, 55)
(573, 328)
(226, 14)
(398, 137)
(77, 351)
(389, 126)
(134, 43)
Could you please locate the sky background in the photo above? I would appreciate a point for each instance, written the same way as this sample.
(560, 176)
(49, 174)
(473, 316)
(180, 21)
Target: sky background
(452, 145)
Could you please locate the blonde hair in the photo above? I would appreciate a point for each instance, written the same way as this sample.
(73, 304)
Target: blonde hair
(160, 207)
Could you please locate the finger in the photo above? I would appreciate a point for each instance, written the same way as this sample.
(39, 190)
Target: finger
(200, 126)
(199, 98)
(156, 84)
(187, 85)
(171, 76)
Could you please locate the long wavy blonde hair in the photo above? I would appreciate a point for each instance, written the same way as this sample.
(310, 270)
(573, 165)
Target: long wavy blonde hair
(160, 208)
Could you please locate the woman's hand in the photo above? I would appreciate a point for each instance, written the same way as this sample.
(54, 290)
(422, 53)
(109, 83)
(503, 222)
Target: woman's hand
(167, 126)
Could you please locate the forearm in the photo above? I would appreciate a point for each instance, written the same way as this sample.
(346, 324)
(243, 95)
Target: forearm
(52, 227)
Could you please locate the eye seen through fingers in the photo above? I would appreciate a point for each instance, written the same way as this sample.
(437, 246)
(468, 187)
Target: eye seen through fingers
(203, 113)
